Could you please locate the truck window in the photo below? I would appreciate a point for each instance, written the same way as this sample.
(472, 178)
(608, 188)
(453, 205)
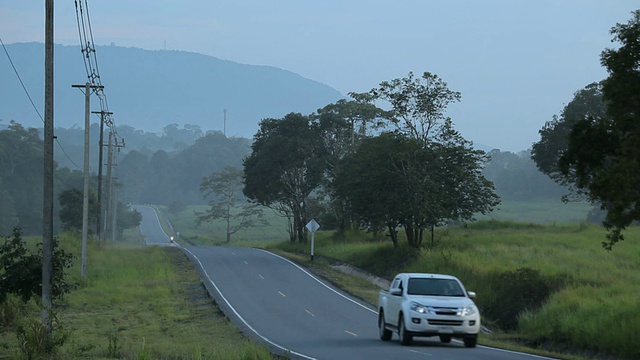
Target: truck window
(434, 287)
(395, 284)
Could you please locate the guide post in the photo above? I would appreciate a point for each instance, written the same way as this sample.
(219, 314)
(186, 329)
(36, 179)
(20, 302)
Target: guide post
(312, 226)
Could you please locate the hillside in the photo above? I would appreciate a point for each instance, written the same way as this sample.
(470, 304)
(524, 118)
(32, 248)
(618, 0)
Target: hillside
(151, 89)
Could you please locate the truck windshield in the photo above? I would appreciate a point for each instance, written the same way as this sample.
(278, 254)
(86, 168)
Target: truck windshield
(434, 287)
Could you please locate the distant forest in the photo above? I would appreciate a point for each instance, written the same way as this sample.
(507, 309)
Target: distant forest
(168, 167)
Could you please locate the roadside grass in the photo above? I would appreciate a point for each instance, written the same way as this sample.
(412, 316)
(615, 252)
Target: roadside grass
(139, 303)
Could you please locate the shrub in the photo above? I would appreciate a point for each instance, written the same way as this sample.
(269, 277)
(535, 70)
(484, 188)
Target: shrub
(517, 292)
(21, 270)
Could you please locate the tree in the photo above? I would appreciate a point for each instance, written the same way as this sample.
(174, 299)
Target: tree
(360, 110)
(418, 105)
(21, 270)
(285, 166)
(225, 190)
(435, 173)
(127, 218)
(587, 103)
(21, 178)
(71, 209)
(366, 180)
(603, 154)
(395, 181)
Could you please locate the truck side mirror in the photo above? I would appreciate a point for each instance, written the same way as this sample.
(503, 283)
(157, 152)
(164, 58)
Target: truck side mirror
(472, 295)
(396, 292)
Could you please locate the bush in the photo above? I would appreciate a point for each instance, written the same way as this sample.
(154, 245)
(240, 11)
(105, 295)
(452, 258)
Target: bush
(517, 292)
(21, 270)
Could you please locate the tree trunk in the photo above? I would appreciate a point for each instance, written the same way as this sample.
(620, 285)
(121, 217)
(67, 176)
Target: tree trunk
(394, 236)
(411, 236)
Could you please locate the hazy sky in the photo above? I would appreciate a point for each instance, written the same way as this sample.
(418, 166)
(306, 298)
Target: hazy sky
(516, 63)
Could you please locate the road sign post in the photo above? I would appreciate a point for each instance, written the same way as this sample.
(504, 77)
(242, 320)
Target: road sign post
(312, 226)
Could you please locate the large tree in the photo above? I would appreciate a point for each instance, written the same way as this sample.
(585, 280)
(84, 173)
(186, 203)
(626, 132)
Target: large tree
(285, 166)
(603, 154)
(586, 104)
(394, 181)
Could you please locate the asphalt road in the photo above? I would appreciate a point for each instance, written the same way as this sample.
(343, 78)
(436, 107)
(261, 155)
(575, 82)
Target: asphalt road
(150, 227)
(276, 301)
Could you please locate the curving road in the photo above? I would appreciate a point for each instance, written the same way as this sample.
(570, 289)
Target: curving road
(150, 227)
(280, 303)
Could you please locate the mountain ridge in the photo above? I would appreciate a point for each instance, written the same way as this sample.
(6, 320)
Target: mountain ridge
(149, 89)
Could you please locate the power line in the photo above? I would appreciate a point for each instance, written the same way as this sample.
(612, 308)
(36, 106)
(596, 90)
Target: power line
(15, 70)
(21, 82)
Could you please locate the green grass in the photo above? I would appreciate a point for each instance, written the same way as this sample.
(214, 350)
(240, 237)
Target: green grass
(141, 303)
(540, 212)
(215, 232)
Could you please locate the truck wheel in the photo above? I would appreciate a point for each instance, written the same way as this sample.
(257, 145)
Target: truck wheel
(405, 338)
(445, 339)
(470, 341)
(385, 334)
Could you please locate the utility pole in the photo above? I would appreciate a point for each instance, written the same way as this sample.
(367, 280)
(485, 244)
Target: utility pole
(85, 198)
(224, 132)
(47, 211)
(108, 190)
(100, 145)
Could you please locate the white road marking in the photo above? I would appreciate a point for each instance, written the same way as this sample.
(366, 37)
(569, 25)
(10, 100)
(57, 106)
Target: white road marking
(283, 295)
(351, 333)
(310, 313)
(261, 277)
(421, 353)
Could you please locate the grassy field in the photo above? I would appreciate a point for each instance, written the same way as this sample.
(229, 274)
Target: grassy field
(215, 232)
(539, 212)
(137, 303)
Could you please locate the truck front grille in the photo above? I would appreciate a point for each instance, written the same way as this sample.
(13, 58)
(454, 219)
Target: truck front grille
(444, 322)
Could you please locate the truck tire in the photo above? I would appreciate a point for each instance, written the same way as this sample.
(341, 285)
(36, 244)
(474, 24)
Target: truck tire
(385, 334)
(470, 341)
(445, 339)
(405, 338)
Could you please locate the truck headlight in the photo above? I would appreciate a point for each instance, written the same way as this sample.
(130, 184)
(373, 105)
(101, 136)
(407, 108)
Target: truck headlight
(469, 310)
(419, 308)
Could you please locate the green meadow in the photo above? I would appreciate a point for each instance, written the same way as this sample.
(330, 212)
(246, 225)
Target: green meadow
(136, 303)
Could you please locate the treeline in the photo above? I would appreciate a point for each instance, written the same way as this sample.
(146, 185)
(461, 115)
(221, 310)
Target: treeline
(168, 168)
(22, 181)
(167, 177)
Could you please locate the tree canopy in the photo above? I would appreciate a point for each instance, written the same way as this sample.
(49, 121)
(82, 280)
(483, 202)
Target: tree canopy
(285, 166)
(602, 156)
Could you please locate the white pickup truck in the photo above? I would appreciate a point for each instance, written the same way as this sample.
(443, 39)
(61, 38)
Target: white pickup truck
(428, 305)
